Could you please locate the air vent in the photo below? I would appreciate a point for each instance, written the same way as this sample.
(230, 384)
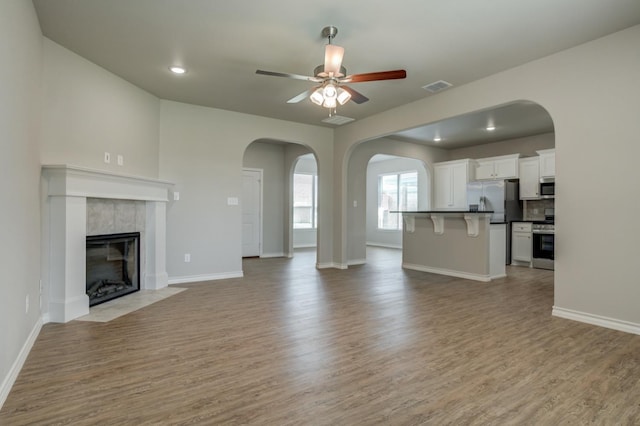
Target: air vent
(337, 120)
(437, 86)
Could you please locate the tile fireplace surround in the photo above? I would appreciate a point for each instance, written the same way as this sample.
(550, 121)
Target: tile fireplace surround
(64, 228)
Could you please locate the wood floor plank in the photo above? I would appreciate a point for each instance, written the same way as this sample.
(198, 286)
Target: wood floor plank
(290, 345)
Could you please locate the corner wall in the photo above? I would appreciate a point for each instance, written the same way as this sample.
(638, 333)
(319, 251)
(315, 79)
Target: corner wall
(201, 150)
(20, 86)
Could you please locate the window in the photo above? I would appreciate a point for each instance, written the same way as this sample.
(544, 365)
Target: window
(398, 191)
(305, 201)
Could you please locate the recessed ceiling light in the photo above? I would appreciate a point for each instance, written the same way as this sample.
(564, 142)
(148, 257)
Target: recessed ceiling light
(177, 70)
(437, 139)
(491, 128)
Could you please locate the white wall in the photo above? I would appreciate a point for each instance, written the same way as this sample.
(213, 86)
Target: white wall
(20, 89)
(596, 138)
(201, 150)
(88, 111)
(270, 159)
(387, 237)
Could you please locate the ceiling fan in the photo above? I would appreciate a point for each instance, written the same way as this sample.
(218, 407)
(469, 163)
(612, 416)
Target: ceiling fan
(332, 76)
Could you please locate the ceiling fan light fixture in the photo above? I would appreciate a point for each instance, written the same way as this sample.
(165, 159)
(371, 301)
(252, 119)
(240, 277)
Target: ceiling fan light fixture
(333, 60)
(343, 96)
(330, 91)
(330, 103)
(317, 97)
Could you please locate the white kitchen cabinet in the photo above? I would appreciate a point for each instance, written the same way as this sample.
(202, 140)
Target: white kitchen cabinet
(530, 178)
(521, 243)
(547, 163)
(450, 184)
(502, 167)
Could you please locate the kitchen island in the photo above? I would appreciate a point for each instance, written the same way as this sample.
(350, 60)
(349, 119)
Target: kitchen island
(457, 243)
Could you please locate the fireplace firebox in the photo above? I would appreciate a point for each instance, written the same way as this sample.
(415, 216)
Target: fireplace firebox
(113, 266)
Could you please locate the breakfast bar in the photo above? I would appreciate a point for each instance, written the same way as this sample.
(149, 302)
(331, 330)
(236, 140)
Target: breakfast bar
(462, 244)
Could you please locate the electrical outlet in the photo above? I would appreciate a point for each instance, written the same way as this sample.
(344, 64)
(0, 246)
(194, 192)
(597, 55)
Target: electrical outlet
(107, 157)
(120, 159)
(187, 257)
(535, 211)
(355, 203)
(176, 196)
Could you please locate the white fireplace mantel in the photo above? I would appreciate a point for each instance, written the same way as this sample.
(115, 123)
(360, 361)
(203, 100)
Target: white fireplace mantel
(65, 191)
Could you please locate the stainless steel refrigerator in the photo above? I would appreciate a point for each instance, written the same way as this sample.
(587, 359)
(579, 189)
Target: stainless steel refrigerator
(500, 196)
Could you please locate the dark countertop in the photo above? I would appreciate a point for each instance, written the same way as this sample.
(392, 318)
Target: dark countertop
(440, 211)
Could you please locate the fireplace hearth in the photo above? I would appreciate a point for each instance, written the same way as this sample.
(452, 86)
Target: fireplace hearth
(113, 266)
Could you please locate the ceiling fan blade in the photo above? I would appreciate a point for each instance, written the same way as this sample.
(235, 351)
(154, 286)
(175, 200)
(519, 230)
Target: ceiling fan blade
(356, 96)
(333, 59)
(374, 76)
(302, 96)
(288, 75)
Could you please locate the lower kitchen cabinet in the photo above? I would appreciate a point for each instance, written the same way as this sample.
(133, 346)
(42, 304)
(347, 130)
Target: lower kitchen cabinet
(521, 243)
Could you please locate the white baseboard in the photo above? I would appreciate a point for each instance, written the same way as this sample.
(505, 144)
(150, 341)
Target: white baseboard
(205, 277)
(331, 265)
(615, 324)
(11, 377)
(393, 246)
(310, 245)
(441, 271)
(270, 255)
(356, 262)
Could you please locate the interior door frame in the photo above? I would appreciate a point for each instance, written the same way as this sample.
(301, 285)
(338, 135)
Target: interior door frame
(261, 208)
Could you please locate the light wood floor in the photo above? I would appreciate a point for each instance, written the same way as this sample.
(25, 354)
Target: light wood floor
(374, 344)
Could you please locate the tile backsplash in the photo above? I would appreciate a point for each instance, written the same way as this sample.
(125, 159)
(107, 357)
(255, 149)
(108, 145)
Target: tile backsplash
(534, 209)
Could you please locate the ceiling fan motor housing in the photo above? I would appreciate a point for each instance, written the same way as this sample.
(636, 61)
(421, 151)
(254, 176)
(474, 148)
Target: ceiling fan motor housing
(319, 72)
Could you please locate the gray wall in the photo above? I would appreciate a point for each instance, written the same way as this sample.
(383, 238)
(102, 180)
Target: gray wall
(356, 184)
(386, 237)
(596, 133)
(88, 111)
(526, 147)
(202, 150)
(270, 159)
(20, 80)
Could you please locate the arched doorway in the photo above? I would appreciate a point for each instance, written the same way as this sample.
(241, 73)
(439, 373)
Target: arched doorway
(274, 162)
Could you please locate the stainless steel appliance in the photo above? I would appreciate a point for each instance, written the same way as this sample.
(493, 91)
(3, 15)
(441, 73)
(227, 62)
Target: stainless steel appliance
(547, 188)
(544, 242)
(500, 196)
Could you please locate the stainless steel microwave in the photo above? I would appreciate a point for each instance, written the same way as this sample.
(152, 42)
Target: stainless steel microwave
(547, 188)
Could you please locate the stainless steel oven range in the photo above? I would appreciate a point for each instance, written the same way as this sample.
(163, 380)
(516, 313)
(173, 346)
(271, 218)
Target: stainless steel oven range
(543, 244)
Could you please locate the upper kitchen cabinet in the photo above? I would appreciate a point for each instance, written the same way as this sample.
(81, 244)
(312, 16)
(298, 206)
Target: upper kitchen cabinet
(547, 163)
(450, 184)
(503, 167)
(530, 178)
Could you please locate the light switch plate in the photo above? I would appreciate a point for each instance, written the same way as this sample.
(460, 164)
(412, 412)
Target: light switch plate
(120, 160)
(107, 157)
(176, 196)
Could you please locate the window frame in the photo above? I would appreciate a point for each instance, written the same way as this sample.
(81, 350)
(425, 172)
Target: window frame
(314, 200)
(398, 222)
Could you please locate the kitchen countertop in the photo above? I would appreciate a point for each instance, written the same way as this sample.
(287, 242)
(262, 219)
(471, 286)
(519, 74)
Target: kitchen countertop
(441, 211)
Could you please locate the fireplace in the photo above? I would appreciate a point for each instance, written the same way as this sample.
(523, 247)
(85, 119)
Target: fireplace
(113, 266)
(65, 228)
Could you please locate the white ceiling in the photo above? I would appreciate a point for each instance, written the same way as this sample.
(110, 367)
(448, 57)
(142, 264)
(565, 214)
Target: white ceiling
(223, 43)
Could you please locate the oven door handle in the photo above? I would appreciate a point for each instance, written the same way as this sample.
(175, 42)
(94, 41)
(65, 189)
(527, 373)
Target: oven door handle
(543, 232)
